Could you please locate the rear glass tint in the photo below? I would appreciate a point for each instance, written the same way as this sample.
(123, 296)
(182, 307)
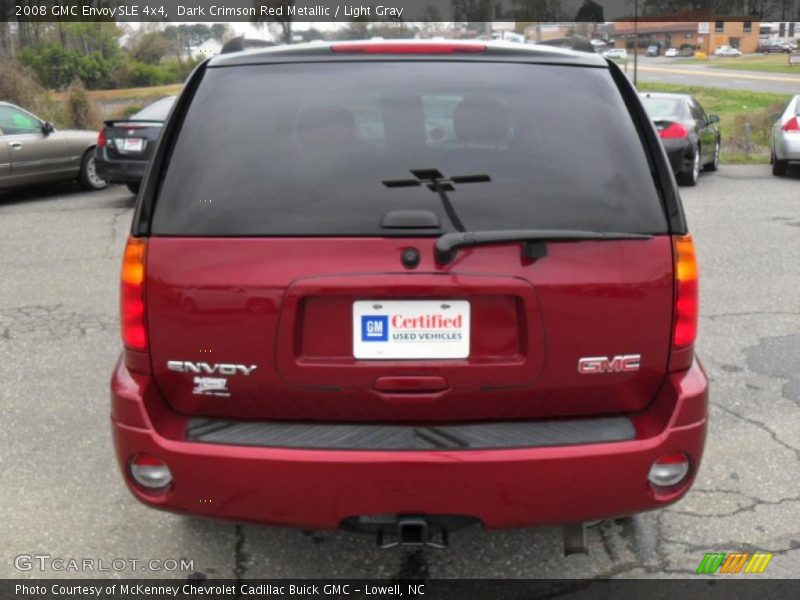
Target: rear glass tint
(305, 149)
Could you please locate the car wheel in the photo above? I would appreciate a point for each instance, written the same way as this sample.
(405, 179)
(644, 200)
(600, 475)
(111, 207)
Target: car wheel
(779, 167)
(88, 177)
(714, 164)
(689, 178)
(134, 187)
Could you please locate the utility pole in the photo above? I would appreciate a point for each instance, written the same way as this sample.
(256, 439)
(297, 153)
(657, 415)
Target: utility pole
(635, 42)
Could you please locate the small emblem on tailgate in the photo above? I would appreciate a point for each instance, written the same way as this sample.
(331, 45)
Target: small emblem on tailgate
(621, 363)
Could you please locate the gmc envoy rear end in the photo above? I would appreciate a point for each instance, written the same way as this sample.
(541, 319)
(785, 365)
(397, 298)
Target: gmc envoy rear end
(404, 287)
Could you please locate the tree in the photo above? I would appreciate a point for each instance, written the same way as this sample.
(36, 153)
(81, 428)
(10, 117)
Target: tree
(590, 12)
(471, 11)
(284, 22)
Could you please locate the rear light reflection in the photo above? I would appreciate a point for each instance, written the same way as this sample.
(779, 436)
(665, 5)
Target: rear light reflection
(150, 472)
(673, 132)
(132, 307)
(686, 292)
(669, 470)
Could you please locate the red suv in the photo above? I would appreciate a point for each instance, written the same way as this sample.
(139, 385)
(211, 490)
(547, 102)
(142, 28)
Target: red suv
(403, 287)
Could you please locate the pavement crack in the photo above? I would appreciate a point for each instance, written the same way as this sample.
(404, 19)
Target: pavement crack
(761, 425)
(239, 556)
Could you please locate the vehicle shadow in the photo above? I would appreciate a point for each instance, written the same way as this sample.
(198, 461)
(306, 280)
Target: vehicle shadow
(260, 551)
(57, 191)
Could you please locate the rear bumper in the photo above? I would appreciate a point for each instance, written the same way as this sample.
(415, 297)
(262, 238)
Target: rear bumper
(679, 155)
(788, 148)
(317, 489)
(119, 171)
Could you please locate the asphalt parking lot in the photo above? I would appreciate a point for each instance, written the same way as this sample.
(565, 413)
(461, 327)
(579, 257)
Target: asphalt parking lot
(61, 494)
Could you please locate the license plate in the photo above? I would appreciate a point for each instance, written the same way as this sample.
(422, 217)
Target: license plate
(133, 144)
(410, 329)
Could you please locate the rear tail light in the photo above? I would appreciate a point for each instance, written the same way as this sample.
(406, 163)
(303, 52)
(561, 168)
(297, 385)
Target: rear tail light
(792, 125)
(132, 306)
(669, 470)
(673, 131)
(150, 472)
(407, 48)
(101, 138)
(686, 292)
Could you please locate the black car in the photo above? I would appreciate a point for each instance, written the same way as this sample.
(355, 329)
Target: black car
(690, 137)
(124, 146)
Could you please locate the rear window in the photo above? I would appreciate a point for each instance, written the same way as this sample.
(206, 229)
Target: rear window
(659, 108)
(305, 149)
(157, 111)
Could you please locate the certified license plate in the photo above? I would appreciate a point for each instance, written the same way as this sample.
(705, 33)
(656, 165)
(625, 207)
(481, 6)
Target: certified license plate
(410, 329)
(133, 144)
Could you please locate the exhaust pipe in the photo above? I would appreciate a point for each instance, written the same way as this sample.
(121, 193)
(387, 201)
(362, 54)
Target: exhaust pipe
(574, 536)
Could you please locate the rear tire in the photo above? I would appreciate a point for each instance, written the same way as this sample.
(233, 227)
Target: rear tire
(134, 187)
(689, 178)
(88, 178)
(779, 167)
(714, 164)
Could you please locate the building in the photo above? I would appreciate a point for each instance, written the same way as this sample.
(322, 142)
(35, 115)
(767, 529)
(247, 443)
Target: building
(705, 36)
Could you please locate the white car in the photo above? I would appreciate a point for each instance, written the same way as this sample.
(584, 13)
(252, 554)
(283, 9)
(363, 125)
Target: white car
(786, 138)
(616, 53)
(727, 51)
(671, 53)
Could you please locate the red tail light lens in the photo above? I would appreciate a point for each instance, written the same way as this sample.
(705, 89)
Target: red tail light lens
(407, 48)
(132, 307)
(792, 125)
(101, 138)
(686, 292)
(674, 131)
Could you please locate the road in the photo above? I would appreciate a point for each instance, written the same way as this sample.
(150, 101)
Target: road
(666, 70)
(61, 494)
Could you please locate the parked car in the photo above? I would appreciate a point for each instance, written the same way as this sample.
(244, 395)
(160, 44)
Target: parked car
(124, 146)
(786, 138)
(652, 51)
(438, 346)
(671, 52)
(620, 53)
(691, 138)
(773, 47)
(686, 52)
(33, 151)
(728, 51)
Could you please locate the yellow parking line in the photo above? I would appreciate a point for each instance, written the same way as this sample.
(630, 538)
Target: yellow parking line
(712, 73)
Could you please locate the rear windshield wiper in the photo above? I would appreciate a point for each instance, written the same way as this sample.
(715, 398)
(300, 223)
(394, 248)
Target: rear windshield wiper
(447, 245)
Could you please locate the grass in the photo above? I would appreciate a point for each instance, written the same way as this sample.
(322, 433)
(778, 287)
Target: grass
(142, 93)
(766, 63)
(736, 109)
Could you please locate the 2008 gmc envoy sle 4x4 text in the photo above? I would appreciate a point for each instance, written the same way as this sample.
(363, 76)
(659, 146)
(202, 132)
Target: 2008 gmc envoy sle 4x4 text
(404, 287)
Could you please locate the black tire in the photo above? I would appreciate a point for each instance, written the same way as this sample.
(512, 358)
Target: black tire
(714, 164)
(88, 178)
(134, 187)
(779, 167)
(689, 178)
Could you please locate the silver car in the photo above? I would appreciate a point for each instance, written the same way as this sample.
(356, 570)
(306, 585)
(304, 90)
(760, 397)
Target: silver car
(786, 138)
(33, 151)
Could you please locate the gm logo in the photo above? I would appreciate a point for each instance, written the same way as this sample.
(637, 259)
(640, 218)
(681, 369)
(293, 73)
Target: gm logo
(374, 328)
(624, 363)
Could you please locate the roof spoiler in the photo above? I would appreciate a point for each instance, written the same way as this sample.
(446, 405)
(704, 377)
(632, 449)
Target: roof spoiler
(574, 42)
(240, 43)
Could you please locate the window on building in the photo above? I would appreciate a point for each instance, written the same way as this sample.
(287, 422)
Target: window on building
(688, 36)
(719, 26)
(791, 29)
(748, 26)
